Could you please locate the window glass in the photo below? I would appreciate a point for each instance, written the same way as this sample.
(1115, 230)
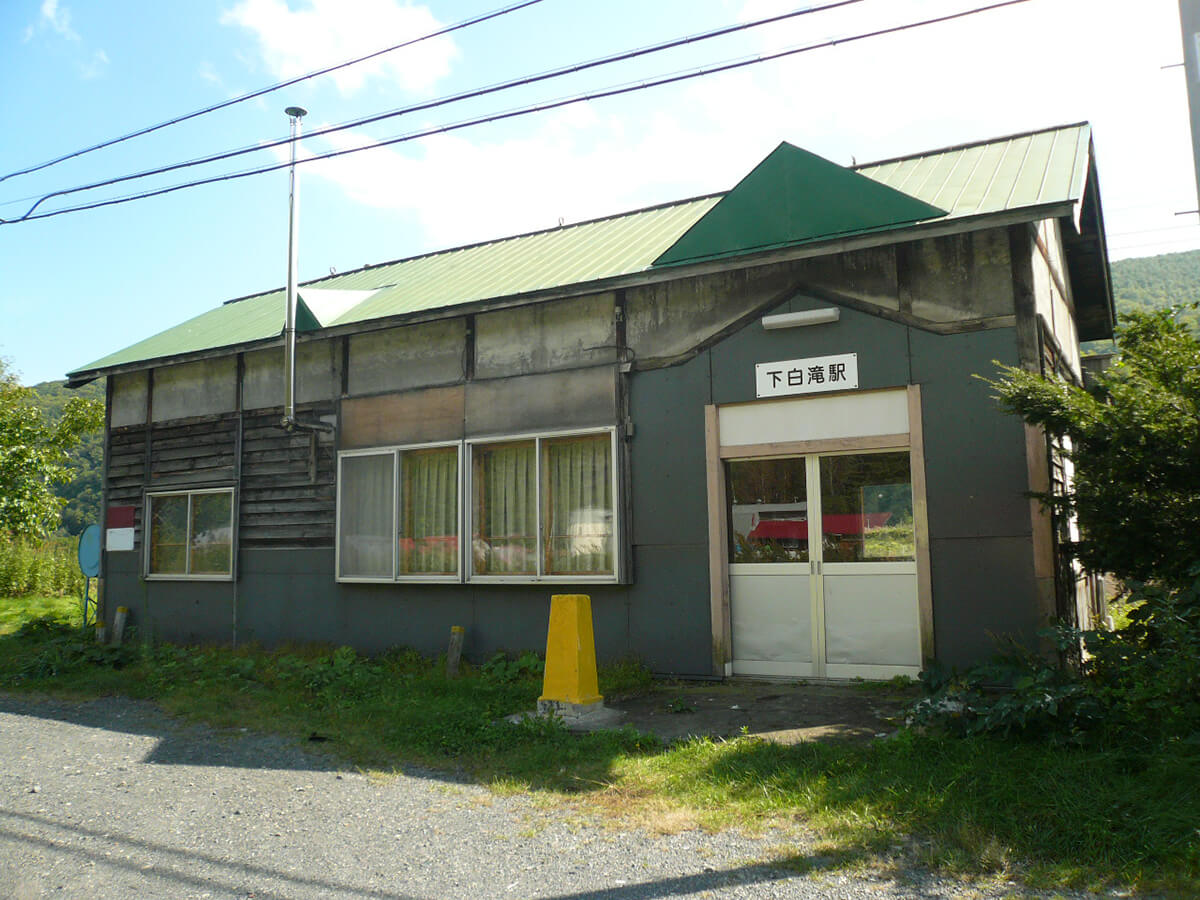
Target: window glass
(504, 524)
(866, 508)
(211, 548)
(428, 537)
(367, 516)
(768, 510)
(168, 535)
(578, 504)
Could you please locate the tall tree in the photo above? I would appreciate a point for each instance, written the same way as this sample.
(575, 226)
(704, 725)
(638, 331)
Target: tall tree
(34, 455)
(1135, 441)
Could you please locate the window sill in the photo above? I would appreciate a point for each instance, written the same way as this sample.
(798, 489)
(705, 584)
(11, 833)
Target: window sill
(187, 577)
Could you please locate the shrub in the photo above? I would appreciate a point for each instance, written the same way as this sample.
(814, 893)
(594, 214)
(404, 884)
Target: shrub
(47, 568)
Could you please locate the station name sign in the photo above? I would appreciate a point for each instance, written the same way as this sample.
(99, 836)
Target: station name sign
(806, 376)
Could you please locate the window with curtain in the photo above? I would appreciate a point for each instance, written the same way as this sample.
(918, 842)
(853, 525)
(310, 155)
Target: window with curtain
(190, 534)
(428, 527)
(538, 508)
(578, 505)
(366, 516)
(544, 507)
(504, 513)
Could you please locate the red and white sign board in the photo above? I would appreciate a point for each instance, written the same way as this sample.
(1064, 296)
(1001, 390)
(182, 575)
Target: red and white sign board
(119, 523)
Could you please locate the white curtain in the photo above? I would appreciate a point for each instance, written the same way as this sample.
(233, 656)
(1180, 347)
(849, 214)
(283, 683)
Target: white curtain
(367, 508)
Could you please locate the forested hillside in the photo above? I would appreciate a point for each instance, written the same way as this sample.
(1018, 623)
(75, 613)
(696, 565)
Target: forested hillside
(1152, 282)
(83, 491)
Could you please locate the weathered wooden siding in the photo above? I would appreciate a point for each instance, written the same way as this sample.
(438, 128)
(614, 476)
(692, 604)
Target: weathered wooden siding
(287, 490)
(126, 471)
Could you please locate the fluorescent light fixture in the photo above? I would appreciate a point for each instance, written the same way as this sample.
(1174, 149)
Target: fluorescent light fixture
(800, 319)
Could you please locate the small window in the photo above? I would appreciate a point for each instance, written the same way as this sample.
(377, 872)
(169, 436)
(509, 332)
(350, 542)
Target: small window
(190, 534)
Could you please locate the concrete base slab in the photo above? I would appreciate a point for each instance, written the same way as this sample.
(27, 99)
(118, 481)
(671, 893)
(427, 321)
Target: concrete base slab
(575, 716)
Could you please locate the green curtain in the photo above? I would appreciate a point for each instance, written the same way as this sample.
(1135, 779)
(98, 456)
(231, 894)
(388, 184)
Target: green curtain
(504, 529)
(578, 503)
(428, 539)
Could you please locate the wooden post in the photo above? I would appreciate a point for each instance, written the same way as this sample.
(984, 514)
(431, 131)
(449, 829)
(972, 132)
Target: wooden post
(119, 625)
(454, 651)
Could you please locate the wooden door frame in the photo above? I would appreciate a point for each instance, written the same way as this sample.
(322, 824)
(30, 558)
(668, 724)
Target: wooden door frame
(718, 533)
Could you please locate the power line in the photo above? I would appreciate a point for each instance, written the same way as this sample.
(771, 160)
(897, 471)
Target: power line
(527, 110)
(274, 87)
(444, 101)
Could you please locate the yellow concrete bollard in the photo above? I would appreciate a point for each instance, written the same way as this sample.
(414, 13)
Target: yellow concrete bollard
(570, 653)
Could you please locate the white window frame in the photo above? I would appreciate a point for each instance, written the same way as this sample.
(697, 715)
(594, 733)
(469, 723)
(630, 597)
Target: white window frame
(541, 577)
(465, 524)
(395, 451)
(147, 534)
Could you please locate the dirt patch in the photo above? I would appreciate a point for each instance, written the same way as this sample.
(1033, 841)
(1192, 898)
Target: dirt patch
(786, 713)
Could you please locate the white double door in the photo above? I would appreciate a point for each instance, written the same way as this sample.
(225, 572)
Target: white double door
(822, 570)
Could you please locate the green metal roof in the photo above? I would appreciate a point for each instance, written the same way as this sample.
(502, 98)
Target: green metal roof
(1007, 173)
(1002, 174)
(793, 197)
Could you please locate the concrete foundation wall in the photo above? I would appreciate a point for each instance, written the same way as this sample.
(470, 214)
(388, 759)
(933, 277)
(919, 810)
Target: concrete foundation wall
(318, 375)
(195, 389)
(129, 399)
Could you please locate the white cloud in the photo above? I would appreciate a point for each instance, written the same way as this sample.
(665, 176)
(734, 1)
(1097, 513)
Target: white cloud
(1010, 70)
(326, 32)
(94, 67)
(58, 18)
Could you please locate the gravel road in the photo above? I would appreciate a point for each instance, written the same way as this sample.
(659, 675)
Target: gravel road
(113, 799)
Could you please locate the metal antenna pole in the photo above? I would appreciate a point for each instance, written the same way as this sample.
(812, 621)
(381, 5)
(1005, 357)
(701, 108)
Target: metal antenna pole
(296, 113)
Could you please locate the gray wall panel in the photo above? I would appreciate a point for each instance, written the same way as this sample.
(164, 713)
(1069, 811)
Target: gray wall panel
(545, 336)
(580, 398)
(412, 356)
(981, 588)
(881, 345)
(129, 399)
(318, 374)
(669, 617)
(195, 389)
(667, 465)
(974, 453)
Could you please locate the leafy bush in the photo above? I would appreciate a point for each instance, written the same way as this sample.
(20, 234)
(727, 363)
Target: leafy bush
(506, 670)
(58, 648)
(1140, 683)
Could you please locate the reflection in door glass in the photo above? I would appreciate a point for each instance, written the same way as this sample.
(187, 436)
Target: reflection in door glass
(768, 510)
(866, 508)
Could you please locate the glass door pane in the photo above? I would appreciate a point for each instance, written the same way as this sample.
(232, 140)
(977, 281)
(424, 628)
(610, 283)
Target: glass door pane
(866, 508)
(768, 510)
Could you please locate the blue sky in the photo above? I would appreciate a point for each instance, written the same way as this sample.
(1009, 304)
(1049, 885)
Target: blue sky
(75, 72)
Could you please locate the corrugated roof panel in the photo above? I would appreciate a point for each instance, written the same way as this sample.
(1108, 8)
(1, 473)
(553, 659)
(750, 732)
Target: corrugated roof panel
(253, 319)
(541, 261)
(1027, 186)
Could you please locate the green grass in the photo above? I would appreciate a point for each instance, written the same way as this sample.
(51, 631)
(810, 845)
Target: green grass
(1080, 817)
(15, 611)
